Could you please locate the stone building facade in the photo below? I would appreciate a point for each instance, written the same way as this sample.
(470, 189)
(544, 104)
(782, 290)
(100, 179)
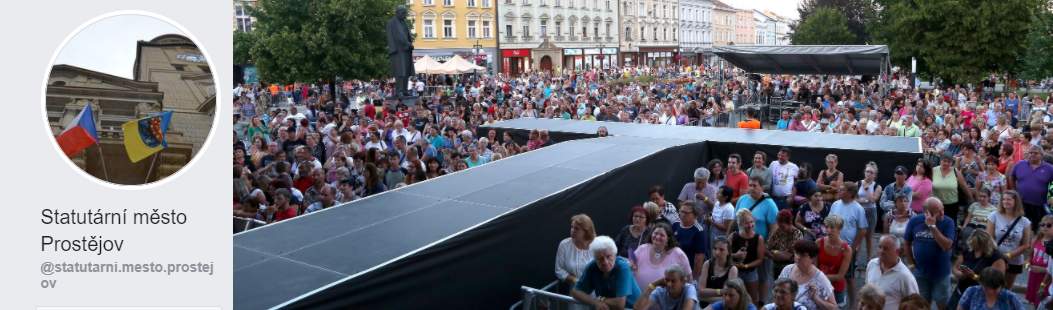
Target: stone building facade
(170, 73)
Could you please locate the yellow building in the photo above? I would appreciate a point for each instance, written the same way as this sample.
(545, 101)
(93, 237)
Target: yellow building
(453, 27)
(723, 23)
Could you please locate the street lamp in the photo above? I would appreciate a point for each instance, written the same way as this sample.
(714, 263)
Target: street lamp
(477, 49)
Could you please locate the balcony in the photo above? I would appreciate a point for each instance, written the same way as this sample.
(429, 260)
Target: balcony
(510, 40)
(610, 39)
(559, 38)
(573, 39)
(528, 39)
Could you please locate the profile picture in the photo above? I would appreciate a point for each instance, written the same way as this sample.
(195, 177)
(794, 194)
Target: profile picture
(130, 99)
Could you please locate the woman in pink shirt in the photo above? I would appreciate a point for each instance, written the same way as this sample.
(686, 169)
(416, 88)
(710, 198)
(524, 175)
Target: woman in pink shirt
(658, 253)
(796, 125)
(921, 184)
(967, 116)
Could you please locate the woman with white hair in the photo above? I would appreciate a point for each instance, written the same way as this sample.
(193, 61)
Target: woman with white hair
(674, 291)
(573, 253)
(608, 276)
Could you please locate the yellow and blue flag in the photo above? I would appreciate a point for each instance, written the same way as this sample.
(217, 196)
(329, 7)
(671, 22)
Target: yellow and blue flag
(145, 136)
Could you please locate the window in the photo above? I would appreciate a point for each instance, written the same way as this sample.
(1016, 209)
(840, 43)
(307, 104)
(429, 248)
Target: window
(471, 3)
(471, 29)
(571, 2)
(526, 27)
(243, 19)
(542, 2)
(596, 4)
(642, 36)
(642, 11)
(559, 28)
(674, 34)
(447, 28)
(179, 67)
(584, 30)
(544, 27)
(429, 2)
(447, 2)
(608, 33)
(608, 5)
(654, 11)
(409, 2)
(526, 2)
(557, 2)
(596, 30)
(665, 8)
(674, 11)
(628, 33)
(58, 83)
(429, 28)
(571, 28)
(665, 34)
(655, 36)
(486, 3)
(508, 29)
(486, 29)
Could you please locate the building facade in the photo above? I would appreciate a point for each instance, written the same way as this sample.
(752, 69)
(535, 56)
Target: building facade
(696, 34)
(558, 34)
(242, 20)
(782, 28)
(723, 23)
(170, 74)
(446, 28)
(652, 32)
(765, 28)
(745, 27)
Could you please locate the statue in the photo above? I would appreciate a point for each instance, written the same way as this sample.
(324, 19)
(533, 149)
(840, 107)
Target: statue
(400, 51)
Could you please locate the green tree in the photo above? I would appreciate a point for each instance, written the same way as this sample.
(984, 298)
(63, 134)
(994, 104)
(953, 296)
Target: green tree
(856, 15)
(958, 40)
(1038, 62)
(826, 27)
(242, 43)
(308, 40)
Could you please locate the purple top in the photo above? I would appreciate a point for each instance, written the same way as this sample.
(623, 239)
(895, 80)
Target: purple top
(1032, 183)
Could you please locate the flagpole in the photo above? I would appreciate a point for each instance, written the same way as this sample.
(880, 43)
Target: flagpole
(103, 161)
(152, 161)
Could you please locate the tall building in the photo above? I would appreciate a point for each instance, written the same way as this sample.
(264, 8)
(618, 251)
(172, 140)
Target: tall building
(170, 74)
(446, 28)
(764, 28)
(696, 30)
(723, 23)
(242, 20)
(556, 34)
(745, 27)
(782, 28)
(652, 32)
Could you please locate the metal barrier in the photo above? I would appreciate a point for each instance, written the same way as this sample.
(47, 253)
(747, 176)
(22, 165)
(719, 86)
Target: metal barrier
(242, 224)
(547, 298)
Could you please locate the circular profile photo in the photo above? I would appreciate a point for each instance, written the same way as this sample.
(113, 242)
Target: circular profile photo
(130, 99)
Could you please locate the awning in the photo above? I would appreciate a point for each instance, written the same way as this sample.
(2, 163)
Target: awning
(688, 54)
(807, 59)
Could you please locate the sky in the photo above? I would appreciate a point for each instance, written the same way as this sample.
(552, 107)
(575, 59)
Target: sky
(786, 8)
(108, 45)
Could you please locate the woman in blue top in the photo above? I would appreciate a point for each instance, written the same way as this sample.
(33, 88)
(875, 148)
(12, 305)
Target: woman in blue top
(735, 297)
(990, 295)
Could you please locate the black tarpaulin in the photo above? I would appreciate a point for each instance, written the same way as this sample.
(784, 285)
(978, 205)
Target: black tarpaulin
(807, 59)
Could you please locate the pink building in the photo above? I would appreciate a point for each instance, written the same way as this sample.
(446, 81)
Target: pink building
(745, 29)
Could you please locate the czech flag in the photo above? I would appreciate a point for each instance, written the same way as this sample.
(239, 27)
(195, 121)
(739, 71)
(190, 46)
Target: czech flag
(79, 134)
(145, 136)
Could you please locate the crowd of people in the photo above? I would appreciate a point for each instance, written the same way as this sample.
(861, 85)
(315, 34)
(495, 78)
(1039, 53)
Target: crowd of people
(803, 245)
(737, 234)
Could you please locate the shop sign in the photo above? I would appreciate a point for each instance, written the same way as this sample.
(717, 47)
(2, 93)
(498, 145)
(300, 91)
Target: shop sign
(516, 53)
(592, 51)
(572, 51)
(610, 51)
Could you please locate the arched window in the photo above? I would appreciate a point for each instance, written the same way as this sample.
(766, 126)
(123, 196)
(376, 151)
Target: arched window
(628, 33)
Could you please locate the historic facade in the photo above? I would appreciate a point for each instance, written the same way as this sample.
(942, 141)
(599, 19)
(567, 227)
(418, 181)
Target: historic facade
(745, 27)
(655, 32)
(170, 73)
(723, 23)
(782, 28)
(696, 30)
(556, 34)
(242, 20)
(446, 28)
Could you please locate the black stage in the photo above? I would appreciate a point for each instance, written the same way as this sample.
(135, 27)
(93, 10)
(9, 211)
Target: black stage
(470, 240)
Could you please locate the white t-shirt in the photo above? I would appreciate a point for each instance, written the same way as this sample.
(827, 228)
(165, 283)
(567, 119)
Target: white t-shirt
(783, 177)
(723, 213)
(380, 145)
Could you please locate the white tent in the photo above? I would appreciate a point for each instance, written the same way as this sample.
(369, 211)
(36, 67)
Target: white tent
(426, 65)
(457, 65)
